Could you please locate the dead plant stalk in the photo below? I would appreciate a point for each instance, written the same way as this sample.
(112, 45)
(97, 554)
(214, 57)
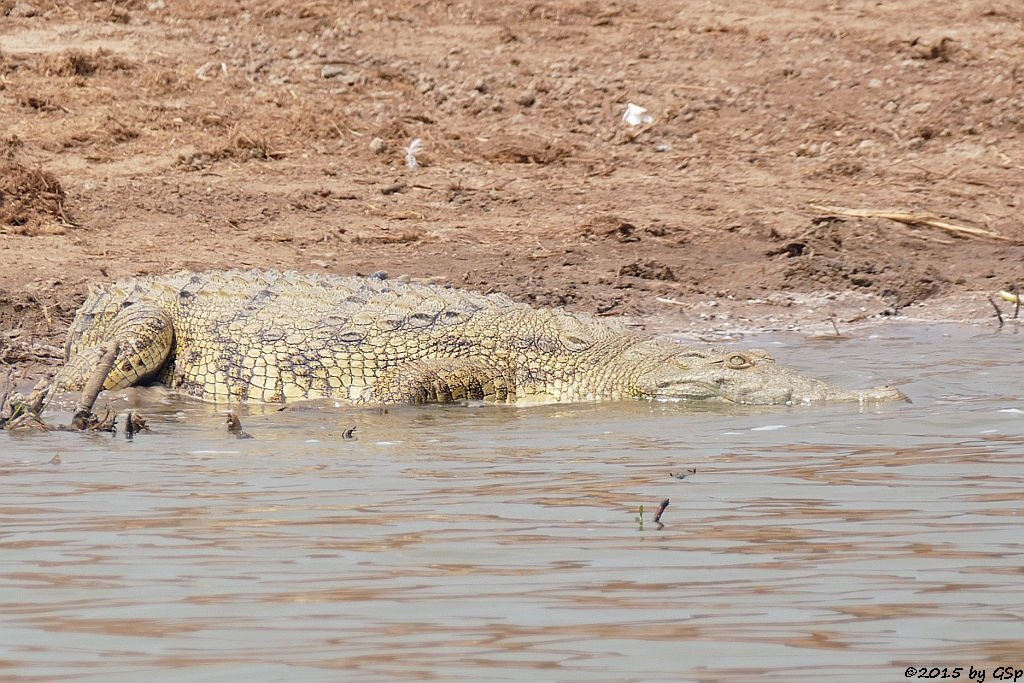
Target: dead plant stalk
(911, 219)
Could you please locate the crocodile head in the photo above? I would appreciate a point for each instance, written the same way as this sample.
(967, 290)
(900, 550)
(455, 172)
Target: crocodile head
(747, 377)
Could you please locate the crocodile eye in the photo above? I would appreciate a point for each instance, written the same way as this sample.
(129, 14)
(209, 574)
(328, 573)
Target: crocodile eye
(738, 361)
(573, 343)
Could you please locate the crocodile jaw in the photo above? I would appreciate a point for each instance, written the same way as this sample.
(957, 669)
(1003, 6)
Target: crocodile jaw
(759, 382)
(825, 393)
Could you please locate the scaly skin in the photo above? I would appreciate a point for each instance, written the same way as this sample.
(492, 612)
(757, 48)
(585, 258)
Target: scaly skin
(274, 337)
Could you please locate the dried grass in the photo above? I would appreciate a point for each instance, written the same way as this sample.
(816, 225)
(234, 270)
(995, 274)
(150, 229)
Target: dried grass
(916, 219)
(78, 63)
(242, 144)
(31, 201)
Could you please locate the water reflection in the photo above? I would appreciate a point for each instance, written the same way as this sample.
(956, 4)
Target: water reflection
(481, 542)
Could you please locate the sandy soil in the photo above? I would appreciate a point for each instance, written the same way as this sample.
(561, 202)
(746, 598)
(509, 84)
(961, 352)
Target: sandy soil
(151, 136)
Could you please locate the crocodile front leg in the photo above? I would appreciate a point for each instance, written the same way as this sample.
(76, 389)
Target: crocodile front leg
(143, 335)
(442, 380)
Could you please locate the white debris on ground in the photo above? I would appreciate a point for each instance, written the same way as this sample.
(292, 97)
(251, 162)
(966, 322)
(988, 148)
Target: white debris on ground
(414, 148)
(636, 115)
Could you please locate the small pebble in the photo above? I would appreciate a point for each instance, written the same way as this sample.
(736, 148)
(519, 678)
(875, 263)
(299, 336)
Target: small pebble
(22, 9)
(331, 70)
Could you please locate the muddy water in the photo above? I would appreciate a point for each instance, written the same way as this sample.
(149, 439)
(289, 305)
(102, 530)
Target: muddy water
(488, 543)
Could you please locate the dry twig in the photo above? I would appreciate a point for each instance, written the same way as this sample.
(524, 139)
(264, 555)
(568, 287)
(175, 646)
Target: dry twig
(912, 219)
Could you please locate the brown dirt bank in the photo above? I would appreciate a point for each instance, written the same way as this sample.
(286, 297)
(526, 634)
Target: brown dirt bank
(140, 137)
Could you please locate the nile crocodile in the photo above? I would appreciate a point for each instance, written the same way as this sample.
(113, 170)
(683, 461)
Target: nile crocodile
(236, 336)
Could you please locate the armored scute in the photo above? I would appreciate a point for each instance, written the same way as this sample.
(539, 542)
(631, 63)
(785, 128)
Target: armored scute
(275, 337)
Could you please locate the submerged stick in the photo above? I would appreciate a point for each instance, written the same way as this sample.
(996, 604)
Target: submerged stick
(912, 219)
(133, 424)
(661, 511)
(235, 426)
(999, 314)
(94, 386)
